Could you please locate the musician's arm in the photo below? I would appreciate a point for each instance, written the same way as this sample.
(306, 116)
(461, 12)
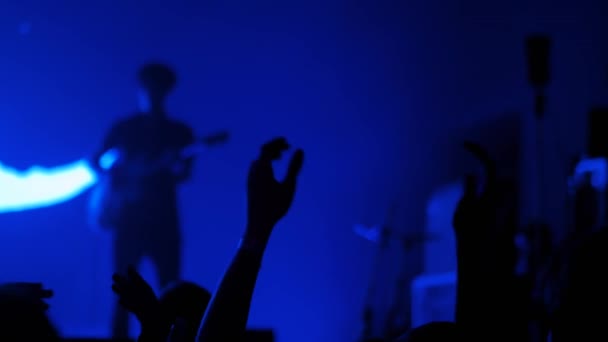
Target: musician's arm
(111, 141)
(95, 158)
(184, 172)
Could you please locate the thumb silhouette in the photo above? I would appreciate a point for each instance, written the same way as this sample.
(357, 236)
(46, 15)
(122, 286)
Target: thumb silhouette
(295, 166)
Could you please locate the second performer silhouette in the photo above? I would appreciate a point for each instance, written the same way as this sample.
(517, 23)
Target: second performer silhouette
(141, 163)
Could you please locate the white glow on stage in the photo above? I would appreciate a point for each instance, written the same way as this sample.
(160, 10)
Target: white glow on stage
(42, 187)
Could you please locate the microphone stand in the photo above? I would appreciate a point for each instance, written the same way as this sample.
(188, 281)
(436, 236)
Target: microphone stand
(381, 236)
(537, 51)
(368, 310)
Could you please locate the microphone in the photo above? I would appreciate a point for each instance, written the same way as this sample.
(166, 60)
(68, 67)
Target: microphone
(381, 235)
(537, 52)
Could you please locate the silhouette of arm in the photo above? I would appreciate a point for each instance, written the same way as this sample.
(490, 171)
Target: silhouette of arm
(138, 297)
(186, 170)
(228, 312)
(155, 331)
(268, 200)
(485, 256)
(487, 300)
(112, 140)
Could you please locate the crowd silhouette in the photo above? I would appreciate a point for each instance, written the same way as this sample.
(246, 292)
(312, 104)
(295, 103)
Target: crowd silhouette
(493, 302)
(558, 296)
(184, 311)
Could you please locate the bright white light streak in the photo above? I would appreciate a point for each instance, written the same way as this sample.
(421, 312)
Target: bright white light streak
(42, 187)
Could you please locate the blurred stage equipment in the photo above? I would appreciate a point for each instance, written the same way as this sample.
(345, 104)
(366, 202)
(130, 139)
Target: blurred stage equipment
(538, 48)
(535, 241)
(399, 316)
(379, 235)
(382, 235)
(537, 53)
(433, 298)
(587, 190)
(589, 178)
(433, 292)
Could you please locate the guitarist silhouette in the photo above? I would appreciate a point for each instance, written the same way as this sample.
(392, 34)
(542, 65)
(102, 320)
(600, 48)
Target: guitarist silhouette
(143, 159)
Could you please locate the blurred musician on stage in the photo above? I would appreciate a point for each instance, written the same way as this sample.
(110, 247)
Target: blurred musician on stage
(141, 162)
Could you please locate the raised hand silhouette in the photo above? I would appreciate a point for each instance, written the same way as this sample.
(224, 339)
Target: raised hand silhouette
(32, 293)
(270, 199)
(475, 214)
(136, 295)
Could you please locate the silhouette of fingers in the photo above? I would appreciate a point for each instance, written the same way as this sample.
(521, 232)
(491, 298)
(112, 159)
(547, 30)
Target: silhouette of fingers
(120, 283)
(295, 166)
(44, 306)
(27, 286)
(32, 290)
(261, 172)
(273, 149)
(37, 289)
(484, 157)
(46, 293)
(118, 278)
(478, 151)
(116, 289)
(134, 275)
(489, 165)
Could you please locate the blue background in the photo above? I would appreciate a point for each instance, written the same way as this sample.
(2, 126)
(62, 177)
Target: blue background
(375, 92)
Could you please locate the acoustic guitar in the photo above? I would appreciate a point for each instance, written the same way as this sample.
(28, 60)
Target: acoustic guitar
(122, 179)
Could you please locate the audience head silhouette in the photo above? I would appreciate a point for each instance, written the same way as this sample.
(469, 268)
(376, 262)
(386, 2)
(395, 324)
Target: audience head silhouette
(23, 320)
(432, 332)
(187, 302)
(585, 293)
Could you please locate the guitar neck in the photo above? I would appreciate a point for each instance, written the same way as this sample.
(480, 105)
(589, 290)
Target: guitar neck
(116, 156)
(214, 139)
